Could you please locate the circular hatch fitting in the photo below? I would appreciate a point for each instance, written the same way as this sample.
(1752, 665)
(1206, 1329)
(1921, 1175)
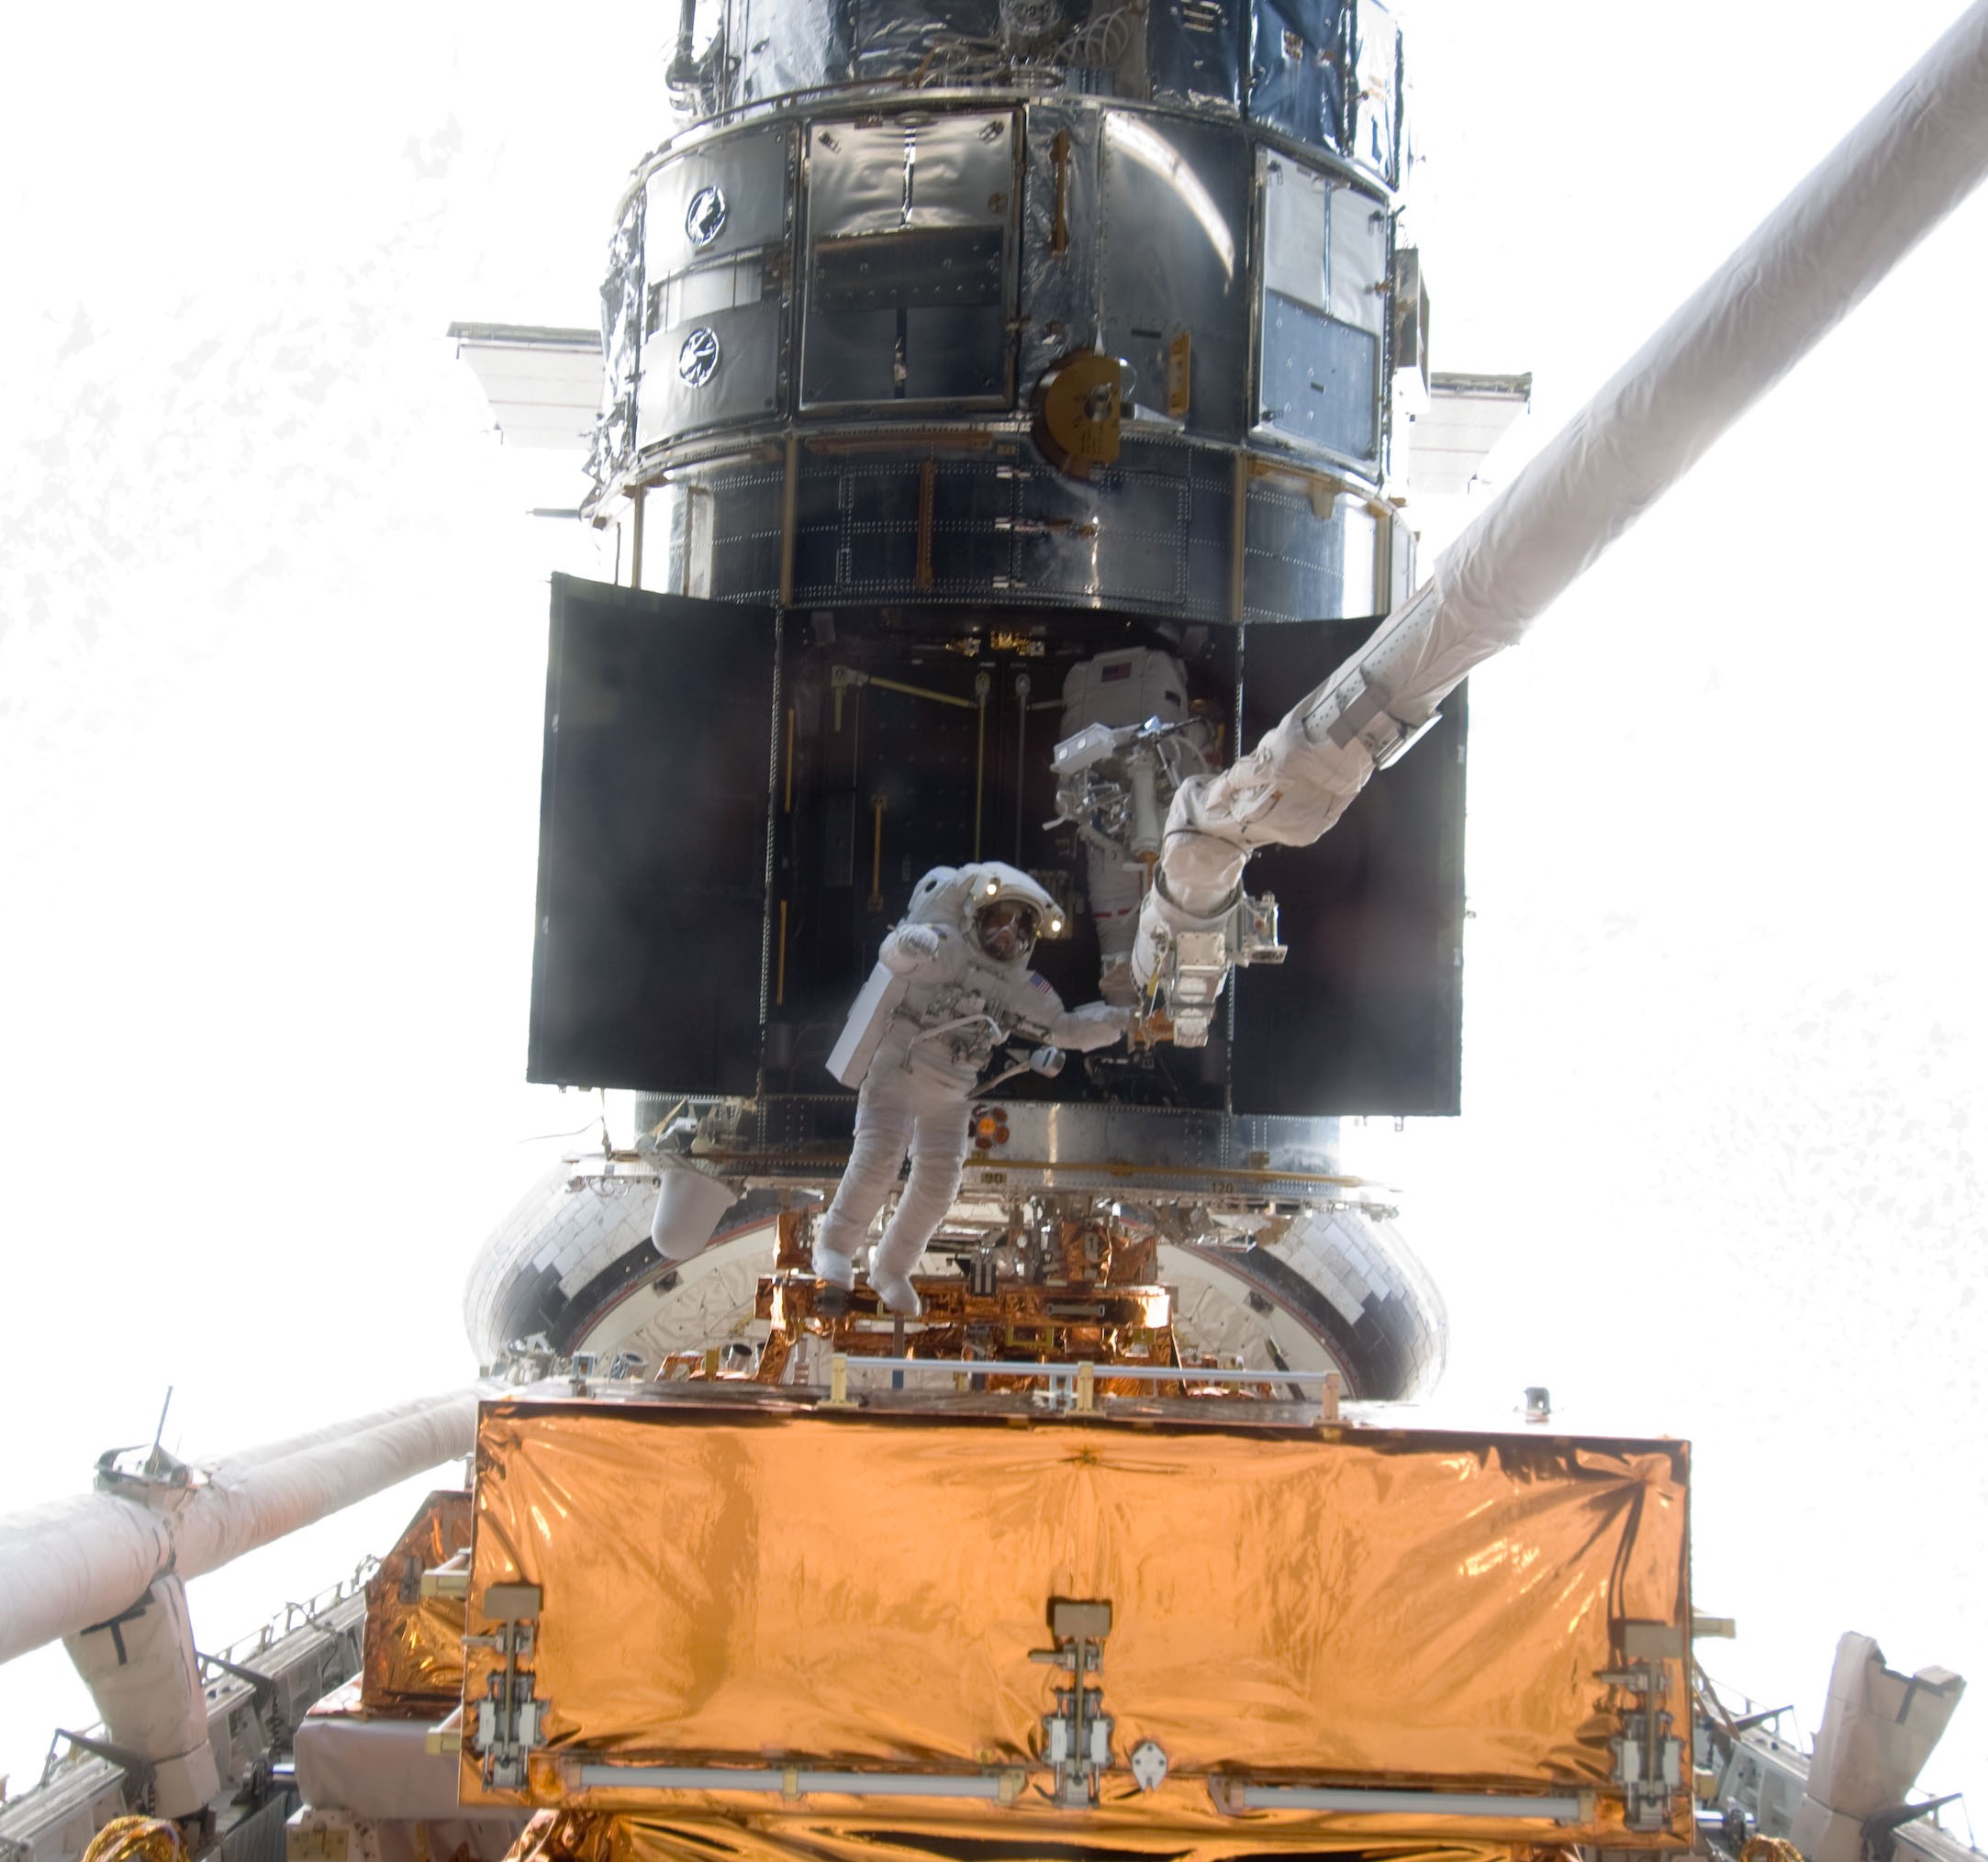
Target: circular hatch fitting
(1077, 411)
(704, 219)
(697, 360)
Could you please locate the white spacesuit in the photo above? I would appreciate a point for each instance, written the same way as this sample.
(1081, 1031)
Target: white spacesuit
(951, 983)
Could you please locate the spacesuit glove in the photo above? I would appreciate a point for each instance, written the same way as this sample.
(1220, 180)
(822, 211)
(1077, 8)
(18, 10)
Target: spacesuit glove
(910, 947)
(1095, 1024)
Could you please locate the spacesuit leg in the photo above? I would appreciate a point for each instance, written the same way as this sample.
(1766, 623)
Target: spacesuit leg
(938, 1154)
(883, 1129)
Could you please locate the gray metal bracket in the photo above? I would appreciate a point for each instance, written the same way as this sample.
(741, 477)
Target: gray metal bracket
(510, 1719)
(1650, 1760)
(1076, 1737)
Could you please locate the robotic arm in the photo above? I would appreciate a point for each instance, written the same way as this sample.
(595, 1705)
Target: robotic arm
(1918, 153)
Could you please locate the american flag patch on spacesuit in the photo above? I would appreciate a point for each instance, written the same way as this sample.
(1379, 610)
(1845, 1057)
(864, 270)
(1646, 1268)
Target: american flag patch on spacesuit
(1040, 984)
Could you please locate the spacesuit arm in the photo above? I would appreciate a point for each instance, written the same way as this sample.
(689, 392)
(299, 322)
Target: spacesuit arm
(1095, 1024)
(1037, 1010)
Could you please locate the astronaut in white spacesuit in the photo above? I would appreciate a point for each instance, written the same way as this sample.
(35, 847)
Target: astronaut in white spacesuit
(951, 983)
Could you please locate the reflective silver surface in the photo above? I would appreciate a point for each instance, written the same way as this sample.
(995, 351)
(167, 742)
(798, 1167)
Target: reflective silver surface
(1197, 54)
(1132, 1150)
(1296, 210)
(716, 223)
(1175, 232)
(741, 382)
(998, 523)
(1161, 1151)
(752, 170)
(1325, 281)
(1312, 549)
(772, 48)
(1060, 241)
(1283, 63)
(1375, 140)
(1297, 60)
(621, 335)
(910, 260)
(925, 267)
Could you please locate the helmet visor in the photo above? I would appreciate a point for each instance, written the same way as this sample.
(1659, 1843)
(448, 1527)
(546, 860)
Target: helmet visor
(1006, 929)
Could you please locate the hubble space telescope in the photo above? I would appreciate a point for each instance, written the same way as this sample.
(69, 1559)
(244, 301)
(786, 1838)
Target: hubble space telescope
(1005, 425)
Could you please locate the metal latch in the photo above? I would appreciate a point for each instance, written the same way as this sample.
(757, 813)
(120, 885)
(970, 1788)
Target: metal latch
(1649, 1762)
(510, 1719)
(1195, 965)
(1076, 1737)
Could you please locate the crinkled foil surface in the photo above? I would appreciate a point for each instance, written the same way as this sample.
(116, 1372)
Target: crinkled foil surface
(412, 1660)
(919, 1837)
(1360, 1605)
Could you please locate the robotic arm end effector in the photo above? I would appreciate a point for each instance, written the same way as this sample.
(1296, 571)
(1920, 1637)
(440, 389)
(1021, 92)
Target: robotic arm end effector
(1181, 960)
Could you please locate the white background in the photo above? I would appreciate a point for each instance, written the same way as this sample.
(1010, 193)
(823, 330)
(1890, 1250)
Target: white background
(270, 665)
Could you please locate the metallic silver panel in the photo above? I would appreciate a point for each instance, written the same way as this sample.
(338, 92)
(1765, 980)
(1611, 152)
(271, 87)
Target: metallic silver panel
(1129, 1149)
(949, 40)
(743, 386)
(1017, 530)
(1310, 551)
(775, 47)
(1296, 206)
(1360, 271)
(1120, 537)
(1176, 254)
(716, 226)
(1061, 243)
(621, 337)
(1324, 285)
(1154, 532)
(1297, 65)
(1283, 61)
(911, 259)
(1377, 108)
(1159, 1141)
(1195, 52)
(932, 239)
(752, 169)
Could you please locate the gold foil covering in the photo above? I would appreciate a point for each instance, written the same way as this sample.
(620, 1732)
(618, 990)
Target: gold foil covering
(412, 1661)
(784, 1835)
(1352, 1606)
(919, 1836)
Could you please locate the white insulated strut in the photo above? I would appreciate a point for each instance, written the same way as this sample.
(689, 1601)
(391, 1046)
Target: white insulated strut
(77, 1562)
(1894, 178)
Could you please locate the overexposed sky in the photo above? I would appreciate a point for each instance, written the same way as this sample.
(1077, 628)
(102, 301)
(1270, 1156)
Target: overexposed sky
(271, 669)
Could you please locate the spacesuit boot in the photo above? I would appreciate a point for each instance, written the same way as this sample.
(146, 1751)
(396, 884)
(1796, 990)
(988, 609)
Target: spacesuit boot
(838, 1270)
(895, 1292)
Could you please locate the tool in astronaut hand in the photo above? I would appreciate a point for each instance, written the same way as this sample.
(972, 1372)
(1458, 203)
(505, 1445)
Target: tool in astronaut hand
(951, 983)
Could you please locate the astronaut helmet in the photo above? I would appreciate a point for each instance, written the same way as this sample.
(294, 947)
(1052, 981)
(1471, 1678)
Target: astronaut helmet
(1006, 912)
